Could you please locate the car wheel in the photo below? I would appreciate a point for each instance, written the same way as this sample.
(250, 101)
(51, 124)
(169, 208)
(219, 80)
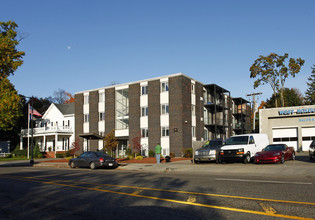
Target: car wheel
(247, 159)
(282, 159)
(92, 165)
(72, 165)
(293, 155)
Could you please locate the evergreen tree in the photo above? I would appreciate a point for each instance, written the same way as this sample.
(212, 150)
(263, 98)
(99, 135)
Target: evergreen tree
(292, 97)
(310, 92)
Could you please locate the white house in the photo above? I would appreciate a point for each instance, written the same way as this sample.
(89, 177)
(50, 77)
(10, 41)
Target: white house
(55, 131)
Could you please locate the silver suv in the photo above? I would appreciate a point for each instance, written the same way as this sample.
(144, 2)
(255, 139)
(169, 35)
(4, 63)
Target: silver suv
(209, 151)
(312, 150)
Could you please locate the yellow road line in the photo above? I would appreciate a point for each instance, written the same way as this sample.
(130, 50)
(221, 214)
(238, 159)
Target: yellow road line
(166, 200)
(186, 192)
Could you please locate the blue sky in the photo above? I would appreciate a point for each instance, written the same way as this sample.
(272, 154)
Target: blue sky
(81, 45)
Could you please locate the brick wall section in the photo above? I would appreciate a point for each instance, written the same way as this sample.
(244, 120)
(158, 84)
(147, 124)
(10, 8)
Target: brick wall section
(109, 110)
(199, 112)
(187, 136)
(134, 112)
(179, 112)
(154, 113)
(93, 123)
(78, 109)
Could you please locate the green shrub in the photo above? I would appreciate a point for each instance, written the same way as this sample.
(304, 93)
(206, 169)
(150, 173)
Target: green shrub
(187, 152)
(60, 155)
(9, 156)
(36, 152)
(40, 155)
(151, 153)
(69, 153)
(128, 152)
(129, 157)
(138, 154)
(19, 153)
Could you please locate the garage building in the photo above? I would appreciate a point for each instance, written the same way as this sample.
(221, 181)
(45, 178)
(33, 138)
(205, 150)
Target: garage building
(294, 126)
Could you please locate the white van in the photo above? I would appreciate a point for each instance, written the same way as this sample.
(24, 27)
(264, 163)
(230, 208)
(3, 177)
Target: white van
(243, 147)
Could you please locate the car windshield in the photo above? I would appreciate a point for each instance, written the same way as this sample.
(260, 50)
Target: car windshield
(278, 147)
(237, 140)
(212, 144)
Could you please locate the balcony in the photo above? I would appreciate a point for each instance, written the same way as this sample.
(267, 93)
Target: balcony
(218, 122)
(47, 130)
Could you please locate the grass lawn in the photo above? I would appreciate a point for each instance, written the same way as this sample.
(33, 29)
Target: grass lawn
(8, 159)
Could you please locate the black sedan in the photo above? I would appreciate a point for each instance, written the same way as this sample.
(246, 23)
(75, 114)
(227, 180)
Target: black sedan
(93, 159)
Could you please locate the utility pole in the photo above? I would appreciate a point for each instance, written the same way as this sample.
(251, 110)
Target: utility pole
(253, 95)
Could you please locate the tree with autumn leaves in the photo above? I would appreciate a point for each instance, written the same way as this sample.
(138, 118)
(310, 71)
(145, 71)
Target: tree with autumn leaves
(10, 105)
(10, 60)
(274, 70)
(110, 142)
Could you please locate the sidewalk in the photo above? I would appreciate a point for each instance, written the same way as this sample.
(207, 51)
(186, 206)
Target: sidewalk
(300, 167)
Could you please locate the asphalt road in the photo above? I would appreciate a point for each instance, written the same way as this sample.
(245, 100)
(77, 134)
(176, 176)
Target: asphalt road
(52, 193)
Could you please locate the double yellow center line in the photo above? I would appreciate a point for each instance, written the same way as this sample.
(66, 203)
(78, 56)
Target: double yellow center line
(191, 200)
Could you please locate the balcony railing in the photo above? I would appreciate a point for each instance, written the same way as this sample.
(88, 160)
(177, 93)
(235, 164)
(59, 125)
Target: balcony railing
(218, 122)
(45, 130)
(239, 111)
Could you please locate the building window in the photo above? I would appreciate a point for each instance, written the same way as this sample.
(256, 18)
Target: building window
(164, 87)
(144, 111)
(164, 109)
(101, 97)
(144, 132)
(102, 116)
(86, 99)
(144, 90)
(122, 109)
(193, 110)
(86, 118)
(165, 132)
(192, 88)
(193, 131)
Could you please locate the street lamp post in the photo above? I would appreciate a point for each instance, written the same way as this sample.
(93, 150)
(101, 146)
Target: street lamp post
(32, 129)
(32, 139)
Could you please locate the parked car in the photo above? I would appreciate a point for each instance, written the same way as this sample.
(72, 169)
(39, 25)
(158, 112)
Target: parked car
(93, 159)
(243, 147)
(209, 151)
(275, 153)
(312, 150)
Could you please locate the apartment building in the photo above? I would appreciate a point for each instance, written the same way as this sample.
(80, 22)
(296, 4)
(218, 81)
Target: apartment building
(173, 110)
(241, 116)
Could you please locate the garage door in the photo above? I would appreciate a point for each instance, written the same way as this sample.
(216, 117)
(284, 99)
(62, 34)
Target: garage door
(286, 136)
(308, 134)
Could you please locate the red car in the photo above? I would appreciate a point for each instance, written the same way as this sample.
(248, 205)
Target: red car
(275, 153)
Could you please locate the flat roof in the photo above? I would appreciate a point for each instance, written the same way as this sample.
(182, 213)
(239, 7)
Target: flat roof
(139, 81)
